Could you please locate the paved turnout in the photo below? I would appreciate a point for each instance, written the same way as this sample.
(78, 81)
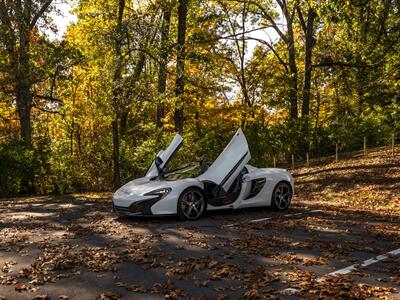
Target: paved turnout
(75, 247)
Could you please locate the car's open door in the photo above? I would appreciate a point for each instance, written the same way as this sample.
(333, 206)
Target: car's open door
(229, 163)
(165, 155)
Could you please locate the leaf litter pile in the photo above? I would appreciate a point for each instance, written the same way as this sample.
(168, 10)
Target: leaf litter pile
(73, 247)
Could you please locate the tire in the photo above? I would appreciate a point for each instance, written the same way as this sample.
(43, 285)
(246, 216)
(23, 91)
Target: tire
(191, 204)
(281, 196)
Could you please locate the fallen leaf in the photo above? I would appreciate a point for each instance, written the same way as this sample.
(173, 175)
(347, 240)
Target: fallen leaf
(109, 296)
(20, 287)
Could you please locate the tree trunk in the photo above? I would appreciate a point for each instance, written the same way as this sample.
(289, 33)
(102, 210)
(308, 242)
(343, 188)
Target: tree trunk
(316, 126)
(162, 71)
(293, 71)
(242, 52)
(117, 177)
(24, 105)
(116, 92)
(23, 84)
(180, 66)
(309, 44)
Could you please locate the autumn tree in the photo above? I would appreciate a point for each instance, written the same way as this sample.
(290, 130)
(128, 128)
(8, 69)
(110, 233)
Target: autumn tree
(19, 19)
(130, 74)
(308, 26)
(269, 17)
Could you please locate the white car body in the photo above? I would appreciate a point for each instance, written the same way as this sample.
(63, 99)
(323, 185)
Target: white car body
(229, 183)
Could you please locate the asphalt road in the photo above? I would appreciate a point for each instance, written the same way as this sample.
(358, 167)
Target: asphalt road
(76, 248)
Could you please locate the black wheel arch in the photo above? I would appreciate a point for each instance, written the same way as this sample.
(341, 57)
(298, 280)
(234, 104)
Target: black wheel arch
(285, 181)
(194, 187)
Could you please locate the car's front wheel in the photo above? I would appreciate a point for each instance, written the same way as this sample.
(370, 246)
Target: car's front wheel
(191, 204)
(281, 196)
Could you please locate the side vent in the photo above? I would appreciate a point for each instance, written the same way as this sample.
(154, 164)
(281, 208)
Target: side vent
(256, 187)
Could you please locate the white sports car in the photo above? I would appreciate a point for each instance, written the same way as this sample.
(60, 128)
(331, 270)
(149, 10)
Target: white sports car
(229, 183)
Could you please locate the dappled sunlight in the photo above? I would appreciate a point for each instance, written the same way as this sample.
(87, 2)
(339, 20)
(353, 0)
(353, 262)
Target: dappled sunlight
(93, 92)
(48, 243)
(371, 184)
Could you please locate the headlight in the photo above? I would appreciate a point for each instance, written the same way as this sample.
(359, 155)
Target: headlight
(122, 192)
(160, 192)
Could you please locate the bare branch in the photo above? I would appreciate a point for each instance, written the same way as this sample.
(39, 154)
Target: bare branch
(271, 47)
(302, 22)
(49, 98)
(338, 64)
(266, 15)
(224, 37)
(40, 13)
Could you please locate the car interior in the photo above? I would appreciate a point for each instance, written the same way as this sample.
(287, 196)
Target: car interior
(216, 196)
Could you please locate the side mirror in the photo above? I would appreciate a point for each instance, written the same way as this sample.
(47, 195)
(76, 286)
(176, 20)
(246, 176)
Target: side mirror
(203, 164)
(158, 161)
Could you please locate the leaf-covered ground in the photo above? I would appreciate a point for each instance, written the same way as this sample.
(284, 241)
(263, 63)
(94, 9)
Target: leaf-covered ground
(73, 247)
(371, 184)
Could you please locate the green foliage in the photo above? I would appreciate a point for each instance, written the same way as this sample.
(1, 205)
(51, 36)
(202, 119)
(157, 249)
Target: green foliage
(18, 166)
(354, 89)
(48, 168)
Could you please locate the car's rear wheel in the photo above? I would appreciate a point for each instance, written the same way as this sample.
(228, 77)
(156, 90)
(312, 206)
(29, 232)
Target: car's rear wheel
(191, 204)
(281, 196)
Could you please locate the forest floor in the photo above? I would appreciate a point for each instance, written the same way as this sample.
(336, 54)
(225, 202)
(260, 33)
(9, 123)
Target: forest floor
(344, 214)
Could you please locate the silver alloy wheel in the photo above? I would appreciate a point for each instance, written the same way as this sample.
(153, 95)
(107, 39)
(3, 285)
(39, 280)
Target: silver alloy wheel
(282, 195)
(192, 204)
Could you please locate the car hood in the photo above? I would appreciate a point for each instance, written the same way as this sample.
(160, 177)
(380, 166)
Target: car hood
(140, 187)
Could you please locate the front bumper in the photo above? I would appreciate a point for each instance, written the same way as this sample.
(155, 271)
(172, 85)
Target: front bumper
(137, 208)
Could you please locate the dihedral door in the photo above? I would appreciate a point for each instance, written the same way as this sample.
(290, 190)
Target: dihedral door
(165, 155)
(229, 163)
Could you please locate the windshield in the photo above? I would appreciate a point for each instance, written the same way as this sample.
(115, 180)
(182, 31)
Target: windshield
(176, 167)
(190, 170)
